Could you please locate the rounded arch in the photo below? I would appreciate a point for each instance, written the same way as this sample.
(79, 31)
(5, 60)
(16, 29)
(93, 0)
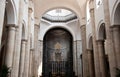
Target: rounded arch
(101, 32)
(58, 26)
(78, 14)
(116, 13)
(57, 40)
(11, 12)
(24, 30)
(90, 43)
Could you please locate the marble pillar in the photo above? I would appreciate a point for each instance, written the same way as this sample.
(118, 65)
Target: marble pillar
(109, 39)
(95, 48)
(2, 13)
(22, 57)
(116, 38)
(101, 51)
(10, 45)
(91, 63)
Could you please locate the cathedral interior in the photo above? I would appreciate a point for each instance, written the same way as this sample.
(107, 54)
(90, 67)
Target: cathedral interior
(59, 38)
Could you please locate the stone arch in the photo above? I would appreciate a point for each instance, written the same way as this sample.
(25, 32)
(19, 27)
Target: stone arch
(101, 32)
(116, 13)
(59, 26)
(63, 7)
(11, 12)
(24, 33)
(90, 43)
(63, 42)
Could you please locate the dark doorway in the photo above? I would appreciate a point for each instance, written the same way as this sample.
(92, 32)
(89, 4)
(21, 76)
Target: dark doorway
(58, 53)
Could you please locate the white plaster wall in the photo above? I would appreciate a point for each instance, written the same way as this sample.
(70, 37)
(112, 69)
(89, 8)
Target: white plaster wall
(25, 13)
(99, 16)
(72, 26)
(43, 26)
(16, 4)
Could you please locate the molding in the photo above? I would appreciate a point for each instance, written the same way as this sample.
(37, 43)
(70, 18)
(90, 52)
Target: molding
(25, 40)
(30, 10)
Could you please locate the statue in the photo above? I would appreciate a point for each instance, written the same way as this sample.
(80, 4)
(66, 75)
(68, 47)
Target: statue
(58, 51)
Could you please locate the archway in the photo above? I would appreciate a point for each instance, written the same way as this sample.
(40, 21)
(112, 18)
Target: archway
(58, 53)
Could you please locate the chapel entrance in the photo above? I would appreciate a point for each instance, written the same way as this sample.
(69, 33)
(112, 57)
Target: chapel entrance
(58, 53)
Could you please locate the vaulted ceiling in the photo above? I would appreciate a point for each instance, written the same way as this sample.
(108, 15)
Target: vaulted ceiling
(43, 6)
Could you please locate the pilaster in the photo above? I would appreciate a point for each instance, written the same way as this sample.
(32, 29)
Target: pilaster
(95, 48)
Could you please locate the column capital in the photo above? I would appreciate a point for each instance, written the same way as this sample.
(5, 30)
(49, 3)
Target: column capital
(32, 50)
(89, 51)
(100, 42)
(37, 25)
(11, 25)
(24, 40)
(113, 26)
(91, 4)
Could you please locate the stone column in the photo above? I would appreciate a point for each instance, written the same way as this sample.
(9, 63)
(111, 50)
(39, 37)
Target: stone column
(96, 54)
(91, 63)
(84, 53)
(2, 13)
(101, 51)
(31, 67)
(116, 38)
(10, 45)
(74, 58)
(109, 39)
(22, 57)
(16, 63)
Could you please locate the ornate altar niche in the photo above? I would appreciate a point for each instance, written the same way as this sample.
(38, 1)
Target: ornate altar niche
(58, 54)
